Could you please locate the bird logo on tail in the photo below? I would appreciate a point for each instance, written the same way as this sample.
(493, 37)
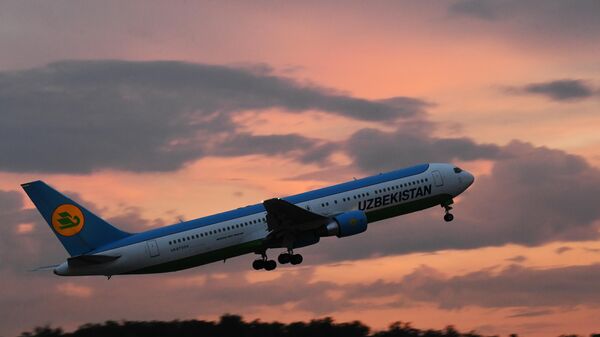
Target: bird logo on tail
(67, 220)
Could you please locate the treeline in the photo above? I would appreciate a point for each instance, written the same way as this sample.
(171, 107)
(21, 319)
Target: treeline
(235, 326)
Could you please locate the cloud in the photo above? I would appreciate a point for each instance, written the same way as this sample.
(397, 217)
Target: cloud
(565, 90)
(537, 19)
(478, 9)
(517, 259)
(375, 150)
(81, 116)
(24, 249)
(531, 313)
(514, 286)
(562, 249)
(73, 290)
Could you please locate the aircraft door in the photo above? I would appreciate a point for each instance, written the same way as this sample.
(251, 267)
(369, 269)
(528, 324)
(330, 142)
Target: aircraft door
(152, 248)
(437, 178)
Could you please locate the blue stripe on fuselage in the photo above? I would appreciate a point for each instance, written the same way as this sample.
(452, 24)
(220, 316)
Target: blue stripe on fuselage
(259, 208)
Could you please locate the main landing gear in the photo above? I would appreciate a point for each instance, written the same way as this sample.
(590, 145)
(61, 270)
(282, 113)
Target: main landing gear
(290, 257)
(283, 258)
(264, 263)
(448, 216)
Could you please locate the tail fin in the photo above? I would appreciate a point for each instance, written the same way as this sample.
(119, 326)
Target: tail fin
(79, 230)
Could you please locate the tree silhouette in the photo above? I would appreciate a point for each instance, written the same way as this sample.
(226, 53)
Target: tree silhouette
(235, 326)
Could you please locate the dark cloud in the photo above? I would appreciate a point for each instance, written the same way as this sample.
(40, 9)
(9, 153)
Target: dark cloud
(542, 19)
(374, 150)
(25, 239)
(80, 116)
(562, 249)
(558, 90)
(531, 313)
(533, 195)
(517, 259)
(480, 9)
(514, 286)
(307, 150)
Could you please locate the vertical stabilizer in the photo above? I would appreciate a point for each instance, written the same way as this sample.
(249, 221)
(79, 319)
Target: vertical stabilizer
(79, 230)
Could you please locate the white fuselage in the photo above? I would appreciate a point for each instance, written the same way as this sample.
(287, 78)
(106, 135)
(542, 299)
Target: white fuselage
(245, 230)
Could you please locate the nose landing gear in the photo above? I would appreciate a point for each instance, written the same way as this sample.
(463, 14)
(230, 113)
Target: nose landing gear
(448, 217)
(447, 208)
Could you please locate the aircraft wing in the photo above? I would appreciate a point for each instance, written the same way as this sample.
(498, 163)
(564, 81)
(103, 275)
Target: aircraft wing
(285, 217)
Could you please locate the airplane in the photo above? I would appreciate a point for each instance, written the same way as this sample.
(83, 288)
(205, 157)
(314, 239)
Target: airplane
(98, 248)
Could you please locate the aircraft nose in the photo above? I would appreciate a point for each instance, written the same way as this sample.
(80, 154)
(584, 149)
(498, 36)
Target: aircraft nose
(469, 178)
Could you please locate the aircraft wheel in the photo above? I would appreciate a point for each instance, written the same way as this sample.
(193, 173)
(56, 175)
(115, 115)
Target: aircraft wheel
(284, 258)
(448, 217)
(270, 265)
(258, 264)
(296, 259)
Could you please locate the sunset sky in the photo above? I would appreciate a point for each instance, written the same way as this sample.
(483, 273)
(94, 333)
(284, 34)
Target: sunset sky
(149, 112)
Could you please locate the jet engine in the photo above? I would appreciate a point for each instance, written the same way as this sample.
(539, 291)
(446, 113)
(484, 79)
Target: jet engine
(346, 224)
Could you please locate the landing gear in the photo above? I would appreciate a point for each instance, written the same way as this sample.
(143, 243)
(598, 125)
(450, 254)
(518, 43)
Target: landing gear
(270, 265)
(258, 264)
(264, 263)
(289, 257)
(448, 216)
(296, 259)
(284, 258)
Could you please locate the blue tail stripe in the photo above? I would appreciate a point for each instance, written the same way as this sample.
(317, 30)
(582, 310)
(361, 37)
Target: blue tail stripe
(95, 231)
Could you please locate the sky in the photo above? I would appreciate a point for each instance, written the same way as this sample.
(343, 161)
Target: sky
(149, 112)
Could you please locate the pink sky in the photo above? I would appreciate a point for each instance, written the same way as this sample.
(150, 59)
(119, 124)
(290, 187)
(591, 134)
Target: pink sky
(517, 82)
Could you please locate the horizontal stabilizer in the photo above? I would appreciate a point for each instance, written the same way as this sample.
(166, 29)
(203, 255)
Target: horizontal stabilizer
(86, 260)
(45, 268)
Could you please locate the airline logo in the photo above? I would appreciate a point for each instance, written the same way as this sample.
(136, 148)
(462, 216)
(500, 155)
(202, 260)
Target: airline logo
(67, 220)
(394, 198)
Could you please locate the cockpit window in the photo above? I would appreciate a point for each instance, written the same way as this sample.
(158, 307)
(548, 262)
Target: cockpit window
(457, 170)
